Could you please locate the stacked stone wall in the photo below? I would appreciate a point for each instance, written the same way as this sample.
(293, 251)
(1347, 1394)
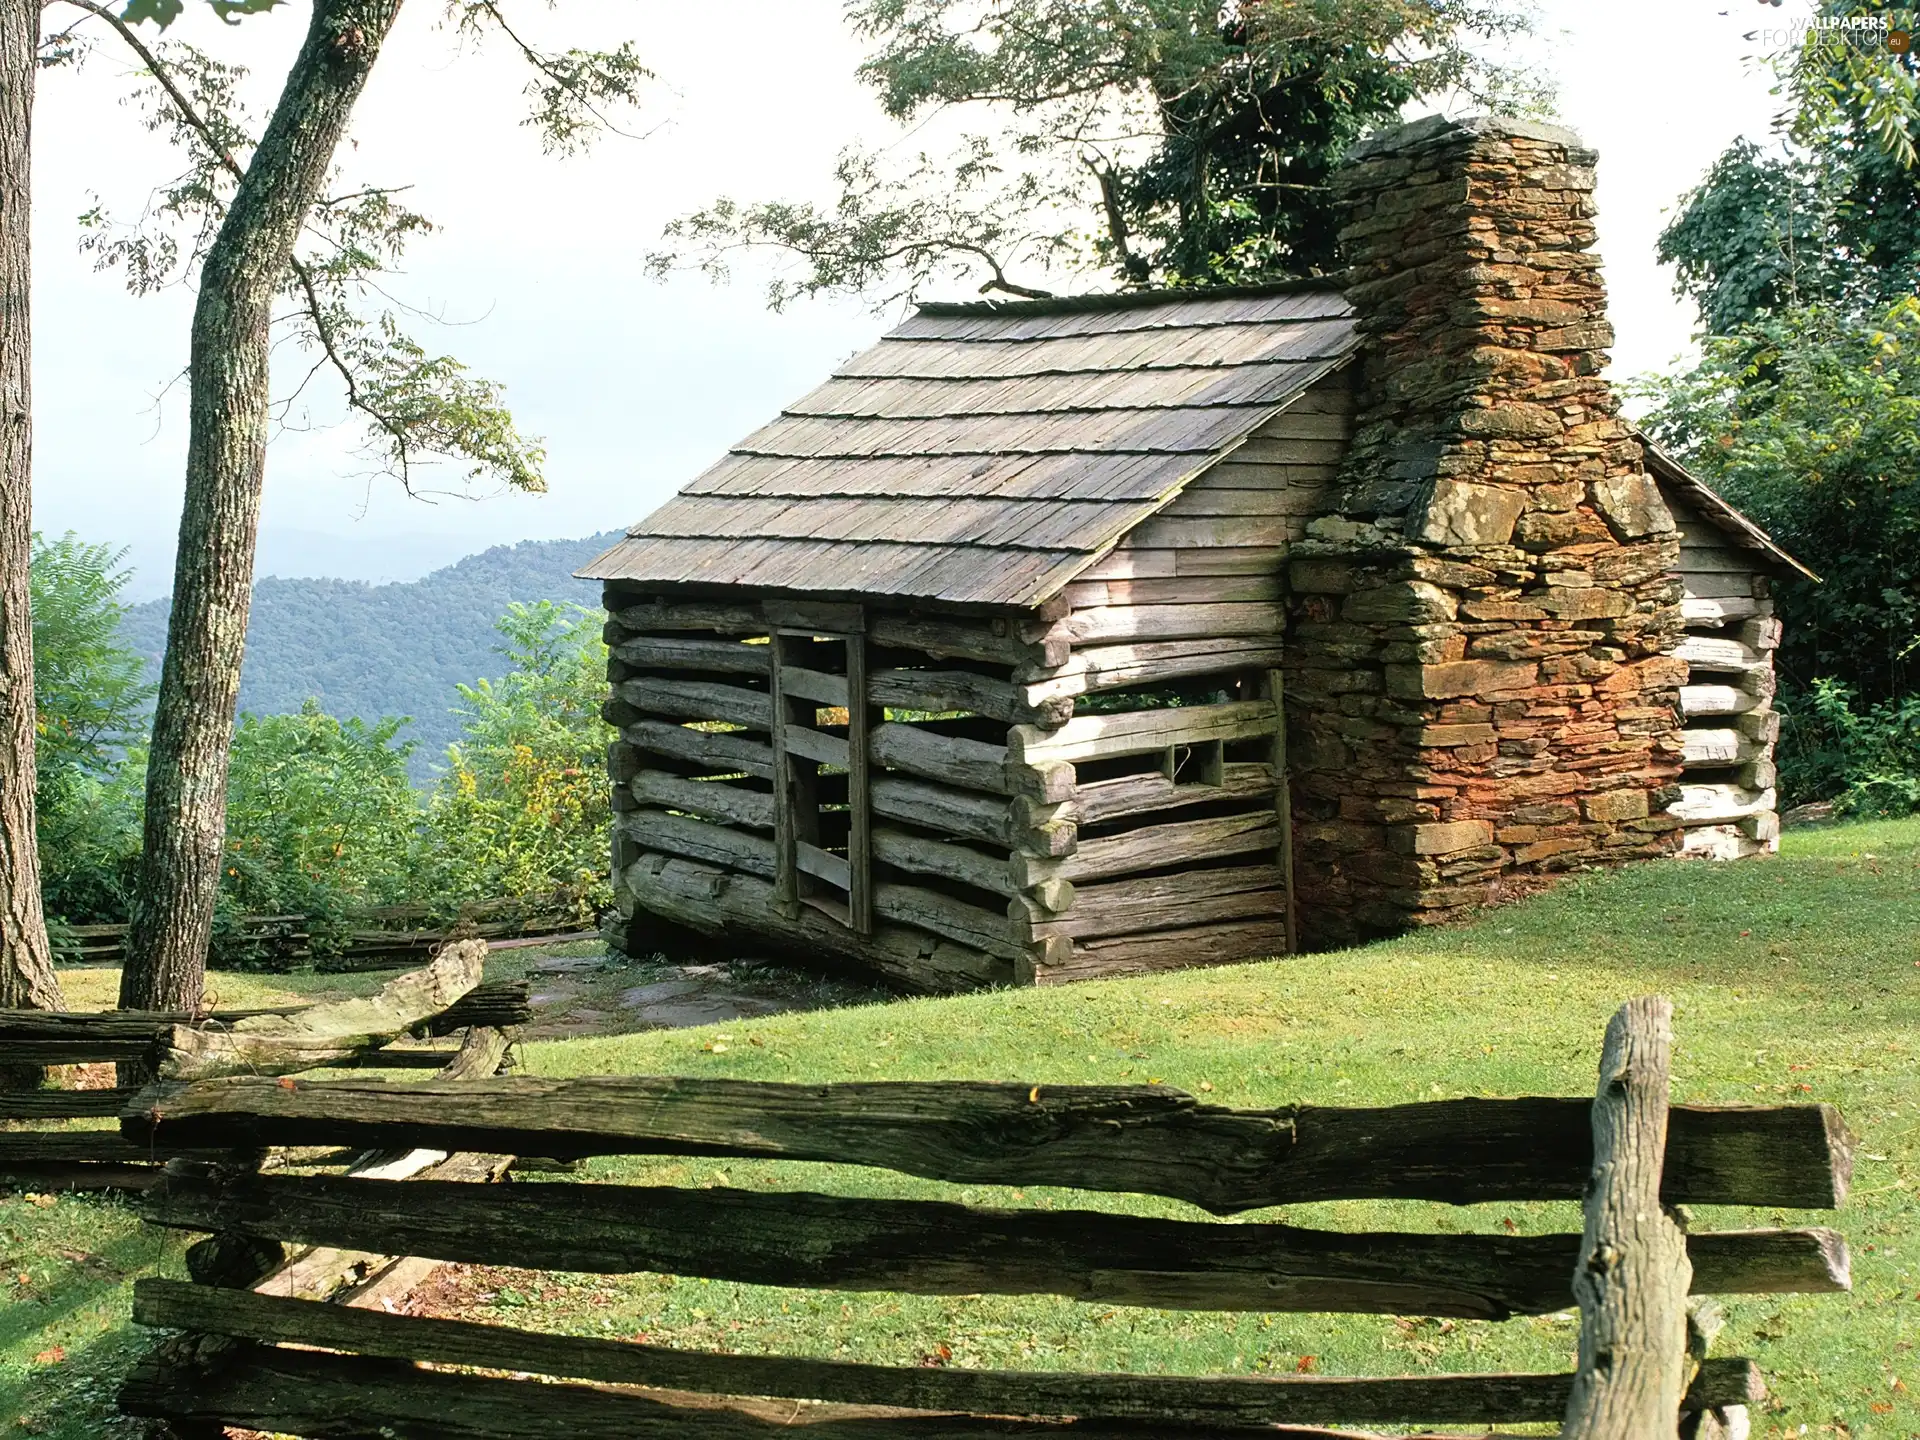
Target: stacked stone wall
(1477, 688)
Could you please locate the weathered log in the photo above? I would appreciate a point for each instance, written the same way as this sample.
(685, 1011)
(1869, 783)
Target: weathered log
(334, 1397)
(1165, 1399)
(995, 641)
(952, 759)
(1133, 732)
(1718, 610)
(1702, 748)
(1175, 622)
(715, 799)
(63, 1104)
(967, 763)
(495, 1004)
(1712, 804)
(943, 810)
(69, 1175)
(1172, 590)
(942, 690)
(698, 840)
(1717, 700)
(1162, 902)
(709, 752)
(1634, 1270)
(1706, 654)
(797, 1238)
(281, 1044)
(690, 615)
(1160, 950)
(333, 1274)
(1139, 1138)
(328, 1273)
(989, 931)
(1113, 667)
(926, 856)
(722, 902)
(698, 700)
(1104, 801)
(718, 657)
(1183, 842)
(64, 1147)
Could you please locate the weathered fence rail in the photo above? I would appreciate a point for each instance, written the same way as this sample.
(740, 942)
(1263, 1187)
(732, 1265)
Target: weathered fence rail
(1630, 1272)
(442, 999)
(380, 939)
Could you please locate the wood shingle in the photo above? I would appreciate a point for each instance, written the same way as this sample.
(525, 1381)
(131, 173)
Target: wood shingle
(988, 453)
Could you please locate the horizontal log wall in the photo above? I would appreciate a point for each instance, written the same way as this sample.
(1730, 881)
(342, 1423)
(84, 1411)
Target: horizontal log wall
(1727, 788)
(952, 808)
(1179, 857)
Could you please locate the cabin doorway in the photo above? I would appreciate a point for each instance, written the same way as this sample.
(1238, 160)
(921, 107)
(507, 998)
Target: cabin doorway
(821, 717)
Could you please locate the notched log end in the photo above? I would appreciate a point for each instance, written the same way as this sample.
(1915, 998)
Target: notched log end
(1840, 1145)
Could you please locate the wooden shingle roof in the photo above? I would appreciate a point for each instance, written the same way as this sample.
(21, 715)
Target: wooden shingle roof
(987, 453)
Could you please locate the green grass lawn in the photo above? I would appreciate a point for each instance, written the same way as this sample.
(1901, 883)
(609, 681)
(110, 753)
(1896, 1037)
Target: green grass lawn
(1793, 978)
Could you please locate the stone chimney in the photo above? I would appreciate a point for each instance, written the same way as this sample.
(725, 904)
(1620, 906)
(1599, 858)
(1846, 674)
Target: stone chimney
(1477, 689)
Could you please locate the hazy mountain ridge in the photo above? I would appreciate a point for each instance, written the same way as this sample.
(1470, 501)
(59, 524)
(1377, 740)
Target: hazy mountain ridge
(394, 649)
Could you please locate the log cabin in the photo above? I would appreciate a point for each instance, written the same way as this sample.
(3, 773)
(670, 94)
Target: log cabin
(1051, 639)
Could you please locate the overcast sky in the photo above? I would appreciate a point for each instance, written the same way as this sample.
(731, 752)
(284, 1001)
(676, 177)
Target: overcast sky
(636, 385)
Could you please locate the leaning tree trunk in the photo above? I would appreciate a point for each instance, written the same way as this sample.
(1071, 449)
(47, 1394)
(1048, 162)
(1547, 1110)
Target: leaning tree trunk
(245, 269)
(26, 962)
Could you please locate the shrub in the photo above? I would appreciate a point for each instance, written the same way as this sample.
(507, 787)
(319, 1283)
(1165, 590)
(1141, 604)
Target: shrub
(1867, 761)
(523, 809)
(321, 822)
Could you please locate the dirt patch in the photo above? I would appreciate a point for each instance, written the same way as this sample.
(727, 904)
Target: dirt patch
(583, 992)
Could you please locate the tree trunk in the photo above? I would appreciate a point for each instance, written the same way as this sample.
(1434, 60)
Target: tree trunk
(26, 962)
(226, 463)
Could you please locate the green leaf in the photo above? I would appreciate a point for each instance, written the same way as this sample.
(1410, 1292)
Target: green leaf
(229, 10)
(161, 12)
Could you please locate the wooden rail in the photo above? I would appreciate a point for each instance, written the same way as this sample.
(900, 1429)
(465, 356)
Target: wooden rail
(442, 999)
(384, 938)
(1630, 1271)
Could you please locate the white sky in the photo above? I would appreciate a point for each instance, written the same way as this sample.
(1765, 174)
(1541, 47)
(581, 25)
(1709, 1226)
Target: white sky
(636, 385)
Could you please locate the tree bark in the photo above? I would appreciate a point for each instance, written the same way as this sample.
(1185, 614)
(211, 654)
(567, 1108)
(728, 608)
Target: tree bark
(26, 961)
(226, 464)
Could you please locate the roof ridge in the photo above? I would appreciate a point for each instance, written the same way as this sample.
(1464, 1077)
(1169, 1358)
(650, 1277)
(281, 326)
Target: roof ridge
(1127, 299)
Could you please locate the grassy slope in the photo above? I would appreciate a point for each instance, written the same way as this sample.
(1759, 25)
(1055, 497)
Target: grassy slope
(1790, 973)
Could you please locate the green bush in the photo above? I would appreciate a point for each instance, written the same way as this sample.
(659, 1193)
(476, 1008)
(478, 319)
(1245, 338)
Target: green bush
(321, 822)
(91, 697)
(1867, 761)
(523, 808)
(1810, 423)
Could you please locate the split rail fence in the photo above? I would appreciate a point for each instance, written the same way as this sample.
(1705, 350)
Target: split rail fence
(444, 999)
(292, 1366)
(384, 938)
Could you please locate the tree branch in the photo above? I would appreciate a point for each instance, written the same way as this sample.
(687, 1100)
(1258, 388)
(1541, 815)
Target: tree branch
(323, 331)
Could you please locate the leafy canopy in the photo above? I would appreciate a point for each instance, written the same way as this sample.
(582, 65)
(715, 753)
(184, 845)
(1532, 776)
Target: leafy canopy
(1810, 423)
(1828, 217)
(1167, 141)
(1804, 261)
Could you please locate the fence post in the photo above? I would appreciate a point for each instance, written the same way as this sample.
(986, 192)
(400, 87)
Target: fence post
(1632, 1278)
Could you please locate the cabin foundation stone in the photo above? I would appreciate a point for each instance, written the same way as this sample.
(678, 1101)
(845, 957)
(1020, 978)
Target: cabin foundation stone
(1478, 678)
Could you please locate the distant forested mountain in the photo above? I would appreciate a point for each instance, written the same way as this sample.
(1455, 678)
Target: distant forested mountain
(374, 650)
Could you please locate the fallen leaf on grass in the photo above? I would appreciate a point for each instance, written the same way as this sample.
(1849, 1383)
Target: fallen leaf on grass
(43, 1202)
(51, 1356)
